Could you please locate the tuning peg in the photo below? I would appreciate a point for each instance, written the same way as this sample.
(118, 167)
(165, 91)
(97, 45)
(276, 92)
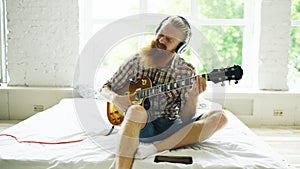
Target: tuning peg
(236, 82)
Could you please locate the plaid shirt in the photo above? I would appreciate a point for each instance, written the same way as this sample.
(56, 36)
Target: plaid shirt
(167, 104)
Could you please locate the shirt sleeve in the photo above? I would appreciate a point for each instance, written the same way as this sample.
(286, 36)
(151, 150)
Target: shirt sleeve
(123, 75)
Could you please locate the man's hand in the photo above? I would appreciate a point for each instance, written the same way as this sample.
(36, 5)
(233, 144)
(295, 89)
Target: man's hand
(122, 102)
(198, 87)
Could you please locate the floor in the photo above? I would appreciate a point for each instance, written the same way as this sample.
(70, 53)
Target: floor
(7, 123)
(284, 140)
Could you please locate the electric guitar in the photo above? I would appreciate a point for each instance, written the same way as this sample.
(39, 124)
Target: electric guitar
(143, 89)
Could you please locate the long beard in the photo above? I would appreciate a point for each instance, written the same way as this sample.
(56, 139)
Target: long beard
(155, 55)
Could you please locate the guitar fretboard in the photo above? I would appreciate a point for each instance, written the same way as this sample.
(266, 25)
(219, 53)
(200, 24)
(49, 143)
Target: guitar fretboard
(156, 90)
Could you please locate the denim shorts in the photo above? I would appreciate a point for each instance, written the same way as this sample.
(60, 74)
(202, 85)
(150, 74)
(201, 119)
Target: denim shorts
(162, 128)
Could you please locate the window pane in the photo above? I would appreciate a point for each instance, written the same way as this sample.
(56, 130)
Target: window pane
(114, 8)
(295, 10)
(119, 53)
(221, 9)
(178, 7)
(227, 41)
(114, 58)
(294, 61)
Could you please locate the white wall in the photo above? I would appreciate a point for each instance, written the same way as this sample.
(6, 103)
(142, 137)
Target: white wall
(274, 44)
(42, 51)
(18, 103)
(43, 42)
(43, 45)
(256, 107)
(272, 36)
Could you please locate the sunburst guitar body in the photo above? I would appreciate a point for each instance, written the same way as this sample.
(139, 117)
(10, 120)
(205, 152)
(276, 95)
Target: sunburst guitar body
(115, 115)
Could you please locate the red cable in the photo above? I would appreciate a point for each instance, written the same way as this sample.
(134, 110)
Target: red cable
(41, 142)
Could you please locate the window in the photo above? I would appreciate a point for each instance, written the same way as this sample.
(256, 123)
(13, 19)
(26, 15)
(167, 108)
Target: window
(229, 30)
(223, 24)
(294, 61)
(3, 67)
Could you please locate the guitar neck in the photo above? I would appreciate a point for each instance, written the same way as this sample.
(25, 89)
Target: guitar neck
(159, 89)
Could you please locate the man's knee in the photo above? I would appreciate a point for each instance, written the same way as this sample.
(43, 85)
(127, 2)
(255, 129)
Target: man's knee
(135, 120)
(137, 113)
(219, 117)
(224, 119)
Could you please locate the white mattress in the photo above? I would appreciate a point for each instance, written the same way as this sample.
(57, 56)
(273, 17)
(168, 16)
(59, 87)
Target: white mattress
(235, 146)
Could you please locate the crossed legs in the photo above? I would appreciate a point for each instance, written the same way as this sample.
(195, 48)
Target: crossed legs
(197, 131)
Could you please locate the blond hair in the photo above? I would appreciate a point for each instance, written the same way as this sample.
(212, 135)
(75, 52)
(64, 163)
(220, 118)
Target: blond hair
(178, 22)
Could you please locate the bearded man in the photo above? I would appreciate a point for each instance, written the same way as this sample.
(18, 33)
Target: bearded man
(166, 119)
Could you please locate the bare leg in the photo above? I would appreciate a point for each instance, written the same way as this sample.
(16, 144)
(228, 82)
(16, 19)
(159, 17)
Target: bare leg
(195, 132)
(135, 120)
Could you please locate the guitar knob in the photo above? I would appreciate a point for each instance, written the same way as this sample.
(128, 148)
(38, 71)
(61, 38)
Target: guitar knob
(236, 82)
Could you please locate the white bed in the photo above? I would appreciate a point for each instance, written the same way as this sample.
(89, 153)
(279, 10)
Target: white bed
(235, 146)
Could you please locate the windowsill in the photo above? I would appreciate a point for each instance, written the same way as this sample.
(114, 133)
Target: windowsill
(227, 90)
(4, 87)
(259, 91)
(244, 91)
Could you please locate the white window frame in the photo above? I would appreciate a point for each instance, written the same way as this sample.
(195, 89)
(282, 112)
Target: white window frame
(248, 24)
(249, 57)
(3, 59)
(295, 23)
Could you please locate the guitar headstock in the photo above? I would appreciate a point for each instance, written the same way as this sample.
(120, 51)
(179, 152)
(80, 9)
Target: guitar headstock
(226, 74)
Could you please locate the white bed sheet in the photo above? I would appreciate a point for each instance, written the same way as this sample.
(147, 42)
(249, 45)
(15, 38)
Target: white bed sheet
(235, 146)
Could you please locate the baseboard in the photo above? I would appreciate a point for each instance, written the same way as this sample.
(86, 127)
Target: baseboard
(18, 103)
(260, 107)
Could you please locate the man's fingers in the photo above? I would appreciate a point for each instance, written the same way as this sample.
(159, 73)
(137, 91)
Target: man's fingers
(201, 84)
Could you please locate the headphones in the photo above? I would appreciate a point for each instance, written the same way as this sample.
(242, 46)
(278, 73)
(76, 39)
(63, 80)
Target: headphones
(182, 46)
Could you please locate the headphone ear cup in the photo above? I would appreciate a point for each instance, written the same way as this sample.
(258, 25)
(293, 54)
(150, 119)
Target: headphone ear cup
(181, 47)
